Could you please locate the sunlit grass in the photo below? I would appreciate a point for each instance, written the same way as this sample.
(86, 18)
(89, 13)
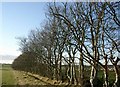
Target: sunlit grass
(7, 75)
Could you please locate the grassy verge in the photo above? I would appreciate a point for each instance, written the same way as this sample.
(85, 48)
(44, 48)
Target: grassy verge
(23, 78)
(7, 75)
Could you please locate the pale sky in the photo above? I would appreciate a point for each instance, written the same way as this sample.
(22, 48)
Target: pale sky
(18, 18)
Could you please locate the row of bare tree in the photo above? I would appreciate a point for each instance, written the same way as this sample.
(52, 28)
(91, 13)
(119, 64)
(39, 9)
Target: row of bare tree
(75, 34)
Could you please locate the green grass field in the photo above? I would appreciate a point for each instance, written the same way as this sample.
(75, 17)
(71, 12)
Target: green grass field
(12, 77)
(7, 75)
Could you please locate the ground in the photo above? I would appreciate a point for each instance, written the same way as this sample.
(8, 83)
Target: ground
(15, 77)
(23, 78)
(7, 75)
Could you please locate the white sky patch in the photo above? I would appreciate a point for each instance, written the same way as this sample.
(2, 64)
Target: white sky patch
(9, 51)
(7, 59)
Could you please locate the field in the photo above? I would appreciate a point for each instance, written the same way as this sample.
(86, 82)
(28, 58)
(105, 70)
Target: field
(7, 75)
(15, 77)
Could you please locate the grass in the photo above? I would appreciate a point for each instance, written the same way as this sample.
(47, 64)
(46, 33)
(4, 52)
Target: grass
(15, 77)
(7, 75)
(12, 77)
(23, 78)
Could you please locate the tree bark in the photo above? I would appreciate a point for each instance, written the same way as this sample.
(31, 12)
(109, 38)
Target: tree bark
(117, 73)
(93, 77)
(59, 67)
(81, 70)
(105, 67)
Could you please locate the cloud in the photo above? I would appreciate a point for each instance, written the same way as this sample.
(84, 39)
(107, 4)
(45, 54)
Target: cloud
(9, 51)
(7, 58)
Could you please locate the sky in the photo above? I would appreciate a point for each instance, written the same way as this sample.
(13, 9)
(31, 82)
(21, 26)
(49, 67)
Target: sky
(16, 20)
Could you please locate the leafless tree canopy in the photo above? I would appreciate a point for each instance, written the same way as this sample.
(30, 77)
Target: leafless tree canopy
(74, 35)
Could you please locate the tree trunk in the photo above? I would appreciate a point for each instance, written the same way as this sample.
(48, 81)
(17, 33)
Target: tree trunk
(93, 77)
(117, 73)
(55, 67)
(94, 70)
(68, 72)
(73, 73)
(59, 67)
(81, 70)
(54, 74)
(106, 84)
(55, 77)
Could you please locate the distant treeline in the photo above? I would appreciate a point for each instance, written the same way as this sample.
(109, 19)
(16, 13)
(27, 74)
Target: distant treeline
(75, 33)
